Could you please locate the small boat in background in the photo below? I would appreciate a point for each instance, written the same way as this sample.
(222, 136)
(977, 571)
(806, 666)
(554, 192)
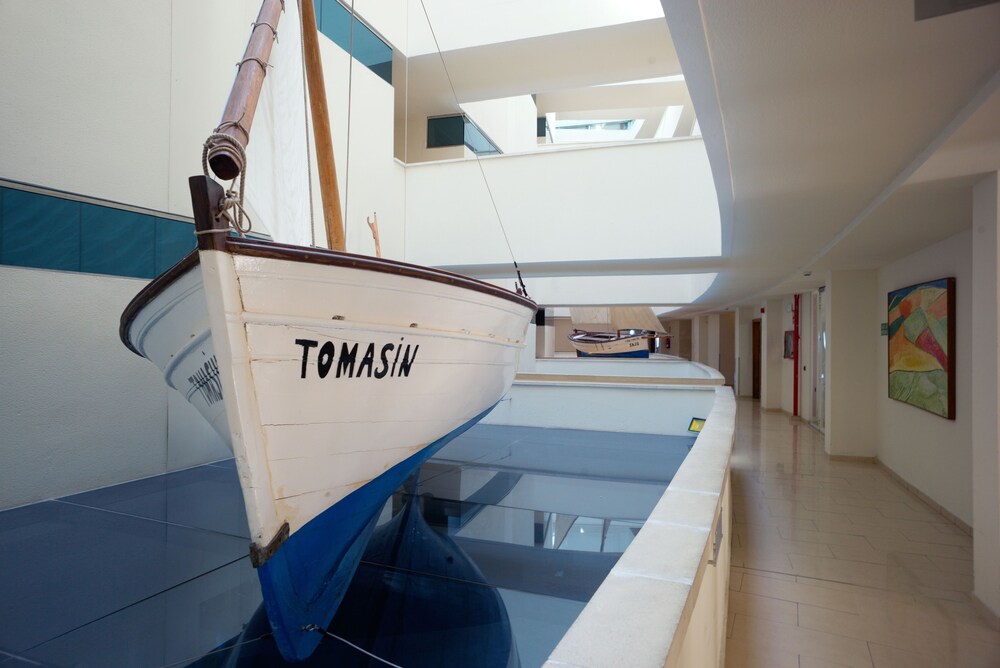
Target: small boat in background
(615, 331)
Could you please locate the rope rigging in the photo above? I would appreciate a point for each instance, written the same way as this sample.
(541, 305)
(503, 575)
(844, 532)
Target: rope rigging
(522, 289)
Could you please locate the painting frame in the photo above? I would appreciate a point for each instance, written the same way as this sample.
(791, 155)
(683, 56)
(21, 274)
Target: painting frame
(789, 348)
(921, 366)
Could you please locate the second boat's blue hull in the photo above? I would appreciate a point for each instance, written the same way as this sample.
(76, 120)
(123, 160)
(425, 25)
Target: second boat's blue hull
(635, 353)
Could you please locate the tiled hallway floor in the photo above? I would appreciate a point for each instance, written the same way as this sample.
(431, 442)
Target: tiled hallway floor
(836, 564)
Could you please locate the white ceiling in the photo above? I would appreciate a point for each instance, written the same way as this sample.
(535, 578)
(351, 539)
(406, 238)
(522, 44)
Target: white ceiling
(842, 135)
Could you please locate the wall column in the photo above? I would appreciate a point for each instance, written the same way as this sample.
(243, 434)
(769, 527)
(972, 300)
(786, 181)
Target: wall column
(852, 325)
(985, 459)
(771, 354)
(744, 351)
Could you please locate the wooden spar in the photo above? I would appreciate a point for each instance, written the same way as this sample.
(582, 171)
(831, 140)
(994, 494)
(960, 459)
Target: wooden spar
(374, 229)
(237, 118)
(329, 190)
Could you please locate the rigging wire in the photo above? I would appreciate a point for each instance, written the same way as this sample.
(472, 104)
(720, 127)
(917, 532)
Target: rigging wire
(313, 627)
(350, 93)
(489, 190)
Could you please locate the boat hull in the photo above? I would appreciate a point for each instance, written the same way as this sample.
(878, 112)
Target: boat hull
(610, 346)
(332, 377)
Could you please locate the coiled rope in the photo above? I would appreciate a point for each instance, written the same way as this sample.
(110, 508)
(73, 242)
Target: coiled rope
(231, 204)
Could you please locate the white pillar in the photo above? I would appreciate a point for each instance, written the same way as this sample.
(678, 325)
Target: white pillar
(772, 350)
(985, 408)
(853, 330)
(744, 350)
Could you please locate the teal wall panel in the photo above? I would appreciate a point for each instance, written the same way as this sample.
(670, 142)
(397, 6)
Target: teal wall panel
(51, 232)
(336, 22)
(174, 240)
(40, 231)
(117, 242)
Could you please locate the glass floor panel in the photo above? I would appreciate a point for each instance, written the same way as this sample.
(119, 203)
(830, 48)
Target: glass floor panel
(484, 558)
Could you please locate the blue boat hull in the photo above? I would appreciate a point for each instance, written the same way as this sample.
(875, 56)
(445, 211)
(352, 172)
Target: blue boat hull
(634, 353)
(305, 580)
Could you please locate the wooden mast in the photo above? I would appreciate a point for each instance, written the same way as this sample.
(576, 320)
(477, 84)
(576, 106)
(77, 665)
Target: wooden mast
(329, 190)
(225, 159)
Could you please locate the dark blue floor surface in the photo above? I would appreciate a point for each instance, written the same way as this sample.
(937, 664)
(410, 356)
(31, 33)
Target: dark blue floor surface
(488, 559)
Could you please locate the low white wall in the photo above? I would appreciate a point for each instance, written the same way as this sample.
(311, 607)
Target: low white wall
(664, 602)
(545, 198)
(640, 409)
(651, 368)
(78, 409)
(931, 453)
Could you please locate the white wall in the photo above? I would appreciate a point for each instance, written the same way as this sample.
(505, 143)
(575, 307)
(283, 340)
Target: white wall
(984, 400)
(771, 362)
(510, 122)
(124, 119)
(787, 365)
(806, 345)
(78, 409)
(744, 348)
(78, 103)
(637, 409)
(370, 179)
(546, 199)
(931, 453)
(713, 340)
(851, 362)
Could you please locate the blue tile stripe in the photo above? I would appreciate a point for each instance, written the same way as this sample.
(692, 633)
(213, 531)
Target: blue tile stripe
(336, 22)
(49, 232)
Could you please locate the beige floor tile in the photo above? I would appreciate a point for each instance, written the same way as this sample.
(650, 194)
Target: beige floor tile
(735, 579)
(743, 654)
(949, 565)
(871, 555)
(840, 570)
(785, 577)
(930, 534)
(873, 575)
(901, 544)
(777, 637)
(828, 537)
(800, 593)
(752, 605)
(964, 654)
(943, 580)
(813, 662)
(791, 546)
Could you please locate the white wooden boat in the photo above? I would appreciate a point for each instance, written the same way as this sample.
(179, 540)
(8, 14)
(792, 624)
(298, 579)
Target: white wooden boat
(616, 331)
(622, 343)
(332, 375)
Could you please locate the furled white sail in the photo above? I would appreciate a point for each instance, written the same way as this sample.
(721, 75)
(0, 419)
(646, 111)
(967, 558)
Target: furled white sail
(277, 186)
(634, 317)
(590, 317)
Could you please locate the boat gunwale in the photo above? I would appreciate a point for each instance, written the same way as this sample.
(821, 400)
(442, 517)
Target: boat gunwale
(320, 256)
(584, 336)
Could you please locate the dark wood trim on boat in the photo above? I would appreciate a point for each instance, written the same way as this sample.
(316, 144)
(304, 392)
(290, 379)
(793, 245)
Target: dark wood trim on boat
(276, 251)
(258, 554)
(150, 292)
(213, 234)
(211, 228)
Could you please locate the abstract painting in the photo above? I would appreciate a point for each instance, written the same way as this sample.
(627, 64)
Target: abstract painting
(922, 346)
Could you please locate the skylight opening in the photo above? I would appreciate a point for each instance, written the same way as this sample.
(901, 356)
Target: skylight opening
(570, 131)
